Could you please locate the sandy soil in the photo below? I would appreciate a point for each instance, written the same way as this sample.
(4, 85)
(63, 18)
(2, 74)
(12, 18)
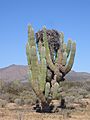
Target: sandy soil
(13, 112)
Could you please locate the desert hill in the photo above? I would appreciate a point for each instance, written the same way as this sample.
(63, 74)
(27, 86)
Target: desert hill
(19, 72)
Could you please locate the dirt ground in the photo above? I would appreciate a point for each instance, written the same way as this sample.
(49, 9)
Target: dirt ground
(13, 112)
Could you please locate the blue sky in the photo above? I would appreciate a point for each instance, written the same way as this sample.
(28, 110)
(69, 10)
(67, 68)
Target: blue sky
(70, 16)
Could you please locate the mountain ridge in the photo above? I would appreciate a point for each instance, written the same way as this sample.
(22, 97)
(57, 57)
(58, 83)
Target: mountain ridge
(20, 72)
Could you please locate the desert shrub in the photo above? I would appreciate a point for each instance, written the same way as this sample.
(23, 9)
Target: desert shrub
(19, 101)
(29, 101)
(13, 87)
(78, 84)
(82, 92)
(10, 91)
(69, 99)
(8, 97)
(69, 84)
(78, 99)
(2, 84)
(12, 97)
(28, 96)
(86, 86)
(16, 87)
(65, 85)
(3, 103)
(88, 96)
(76, 91)
(73, 91)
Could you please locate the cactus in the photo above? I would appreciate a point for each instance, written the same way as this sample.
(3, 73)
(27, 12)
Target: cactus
(37, 71)
(64, 60)
(47, 90)
(55, 93)
(60, 65)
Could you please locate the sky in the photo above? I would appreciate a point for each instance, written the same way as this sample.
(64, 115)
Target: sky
(70, 16)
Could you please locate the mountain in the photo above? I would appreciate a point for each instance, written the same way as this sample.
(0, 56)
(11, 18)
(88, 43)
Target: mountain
(19, 72)
(78, 76)
(14, 72)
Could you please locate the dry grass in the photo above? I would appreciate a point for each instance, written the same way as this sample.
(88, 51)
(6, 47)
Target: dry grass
(26, 113)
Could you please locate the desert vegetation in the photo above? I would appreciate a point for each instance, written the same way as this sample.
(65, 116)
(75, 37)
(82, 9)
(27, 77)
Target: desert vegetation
(56, 59)
(47, 93)
(22, 93)
(20, 104)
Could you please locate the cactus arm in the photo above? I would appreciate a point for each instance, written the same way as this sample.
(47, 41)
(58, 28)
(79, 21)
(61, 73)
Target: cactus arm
(66, 52)
(42, 66)
(42, 69)
(68, 47)
(61, 39)
(59, 57)
(31, 39)
(48, 57)
(68, 57)
(47, 90)
(64, 60)
(53, 67)
(39, 48)
(55, 89)
(60, 53)
(34, 69)
(71, 59)
(34, 64)
(28, 54)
